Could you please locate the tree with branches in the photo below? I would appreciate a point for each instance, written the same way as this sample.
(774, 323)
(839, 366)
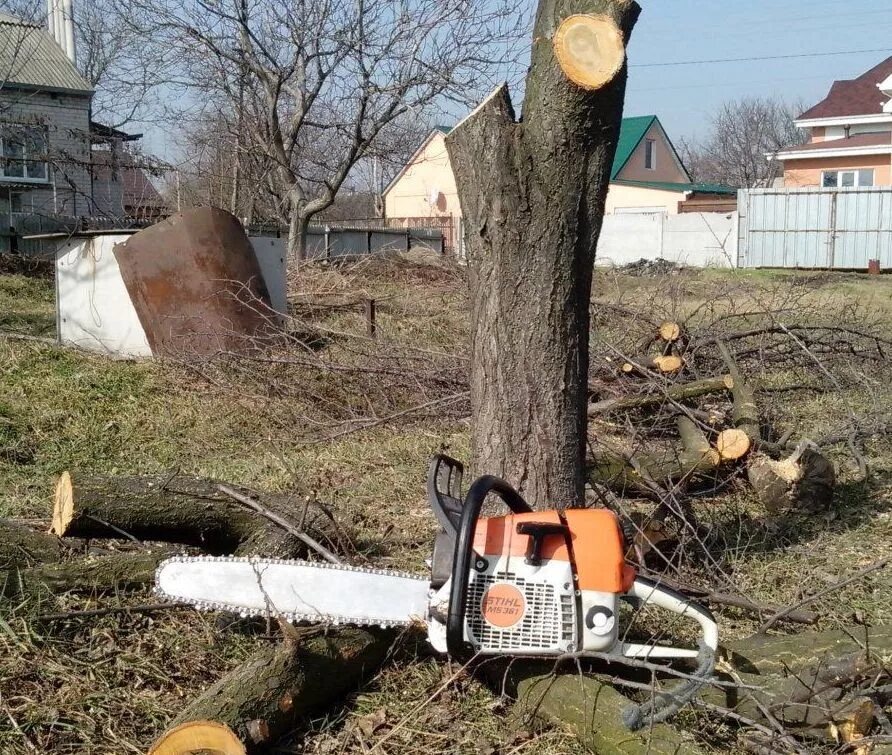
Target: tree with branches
(313, 86)
(742, 136)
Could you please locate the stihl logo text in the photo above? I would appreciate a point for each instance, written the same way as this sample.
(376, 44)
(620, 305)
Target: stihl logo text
(503, 606)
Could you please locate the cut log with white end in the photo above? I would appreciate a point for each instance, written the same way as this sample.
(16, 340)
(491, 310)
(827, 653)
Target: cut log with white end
(590, 49)
(668, 364)
(732, 444)
(265, 697)
(670, 332)
(199, 736)
(181, 509)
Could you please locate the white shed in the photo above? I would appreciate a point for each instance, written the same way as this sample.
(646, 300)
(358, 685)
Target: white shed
(93, 307)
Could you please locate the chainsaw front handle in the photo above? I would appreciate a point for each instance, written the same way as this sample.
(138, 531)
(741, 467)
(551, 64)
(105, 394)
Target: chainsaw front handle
(653, 593)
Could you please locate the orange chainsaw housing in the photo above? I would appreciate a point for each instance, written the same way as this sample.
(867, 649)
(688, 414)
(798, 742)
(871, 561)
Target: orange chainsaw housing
(596, 551)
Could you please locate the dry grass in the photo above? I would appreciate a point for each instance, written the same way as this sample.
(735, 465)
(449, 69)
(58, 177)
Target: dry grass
(110, 685)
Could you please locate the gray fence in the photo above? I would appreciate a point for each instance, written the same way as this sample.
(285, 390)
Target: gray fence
(325, 242)
(840, 229)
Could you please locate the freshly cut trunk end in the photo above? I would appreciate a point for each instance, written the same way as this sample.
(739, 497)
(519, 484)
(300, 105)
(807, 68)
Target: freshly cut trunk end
(589, 49)
(199, 736)
(732, 444)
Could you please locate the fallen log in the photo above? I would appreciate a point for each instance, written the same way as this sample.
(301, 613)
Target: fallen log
(732, 444)
(677, 392)
(94, 574)
(592, 710)
(637, 472)
(803, 481)
(263, 698)
(670, 331)
(22, 546)
(667, 364)
(814, 702)
(180, 509)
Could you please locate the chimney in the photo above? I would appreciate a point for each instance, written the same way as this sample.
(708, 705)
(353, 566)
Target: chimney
(60, 23)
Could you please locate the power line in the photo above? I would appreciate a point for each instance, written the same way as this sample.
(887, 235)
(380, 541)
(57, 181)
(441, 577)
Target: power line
(757, 58)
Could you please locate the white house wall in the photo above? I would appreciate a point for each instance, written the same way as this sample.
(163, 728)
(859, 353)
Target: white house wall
(621, 197)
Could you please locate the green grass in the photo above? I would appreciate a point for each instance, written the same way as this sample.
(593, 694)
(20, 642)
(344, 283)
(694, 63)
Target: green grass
(66, 410)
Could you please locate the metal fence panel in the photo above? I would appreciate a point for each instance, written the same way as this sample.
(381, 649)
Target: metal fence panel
(816, 228)
(329, 242)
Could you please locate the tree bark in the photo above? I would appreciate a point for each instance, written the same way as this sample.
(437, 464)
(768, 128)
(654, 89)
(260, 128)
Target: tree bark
(95, 574)
(592, 710)
(263, 698)
(180, 509)
(677, 392)
(22, 546)
(297, 236)
(532, 196)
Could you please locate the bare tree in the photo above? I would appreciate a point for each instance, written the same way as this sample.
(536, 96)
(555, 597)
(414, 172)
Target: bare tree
(315, 85)
(742, 133)
(114, 60)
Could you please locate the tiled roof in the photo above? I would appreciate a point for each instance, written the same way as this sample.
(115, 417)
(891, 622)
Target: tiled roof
(854, 97)
(881, 138)
(30, 58)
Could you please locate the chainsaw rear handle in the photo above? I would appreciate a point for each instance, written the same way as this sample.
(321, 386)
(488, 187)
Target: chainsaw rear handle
(653, 593)
(464, 549)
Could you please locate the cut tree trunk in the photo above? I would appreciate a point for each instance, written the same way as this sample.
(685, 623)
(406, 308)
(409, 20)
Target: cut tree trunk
(533, 194)
(592, 710)
(634, 473)
(180, 509)
(677, 392)
(198, 737)
(263, 698)
(22, 546)
(803, 481)
(668, 364)
(670, 331)
(93, 574)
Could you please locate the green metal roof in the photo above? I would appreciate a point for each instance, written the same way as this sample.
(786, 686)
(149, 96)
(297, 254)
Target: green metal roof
(631, 133)
(705, 188)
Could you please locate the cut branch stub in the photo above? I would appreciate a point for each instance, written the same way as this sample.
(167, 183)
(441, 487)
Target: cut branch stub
(590, 49)
(199, 736)
(668, 364)
(732, 444)
(670, 331)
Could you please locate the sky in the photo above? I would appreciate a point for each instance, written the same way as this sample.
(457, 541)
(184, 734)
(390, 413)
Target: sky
(684, 96)
(696, 31)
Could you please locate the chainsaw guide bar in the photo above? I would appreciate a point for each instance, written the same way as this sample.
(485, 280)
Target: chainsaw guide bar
(295, 590)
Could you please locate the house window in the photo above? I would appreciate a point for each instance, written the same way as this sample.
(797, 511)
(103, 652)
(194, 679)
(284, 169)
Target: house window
(24, 152)
(843, 179)
(650, 154)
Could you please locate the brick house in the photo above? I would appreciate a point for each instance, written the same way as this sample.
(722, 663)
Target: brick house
(850, 135)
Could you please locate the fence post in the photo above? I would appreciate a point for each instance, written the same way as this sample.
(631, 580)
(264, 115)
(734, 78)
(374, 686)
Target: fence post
(370, 324)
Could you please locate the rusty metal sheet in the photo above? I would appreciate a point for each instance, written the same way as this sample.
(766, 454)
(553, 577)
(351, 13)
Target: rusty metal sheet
(195, 283)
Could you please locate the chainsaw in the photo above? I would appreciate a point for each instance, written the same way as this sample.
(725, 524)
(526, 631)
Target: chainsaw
(530, 583)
